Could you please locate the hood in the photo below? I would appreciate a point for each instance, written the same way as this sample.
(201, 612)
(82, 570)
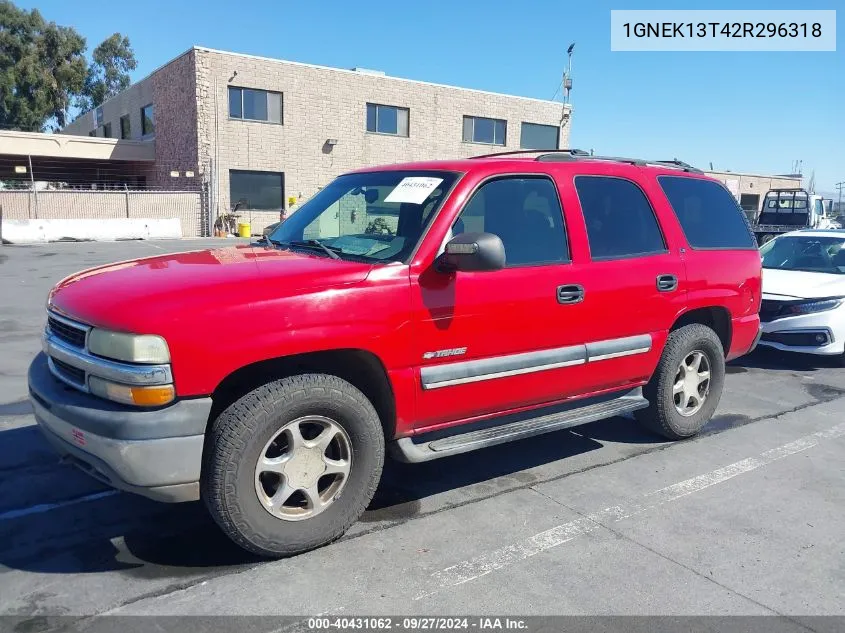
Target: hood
(798, 284)
(134, 295)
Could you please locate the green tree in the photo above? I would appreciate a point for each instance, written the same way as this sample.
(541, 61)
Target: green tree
(108, 73)
(42, 69)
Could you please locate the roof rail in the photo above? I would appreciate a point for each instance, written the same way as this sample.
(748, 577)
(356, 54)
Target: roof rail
(561, 155)
(639, 162)
(572, 152)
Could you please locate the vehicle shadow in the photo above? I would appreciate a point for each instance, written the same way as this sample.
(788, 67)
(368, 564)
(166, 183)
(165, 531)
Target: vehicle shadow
(770, 358)
(78, 526)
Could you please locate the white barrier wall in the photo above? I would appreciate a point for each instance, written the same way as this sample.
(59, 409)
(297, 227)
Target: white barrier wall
(39, 231)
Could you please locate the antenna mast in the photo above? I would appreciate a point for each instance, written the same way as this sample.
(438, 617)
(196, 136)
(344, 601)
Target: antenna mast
(567, 76)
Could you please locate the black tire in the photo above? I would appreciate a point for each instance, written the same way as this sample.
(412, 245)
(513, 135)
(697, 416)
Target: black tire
(661, 416)
(237, 438)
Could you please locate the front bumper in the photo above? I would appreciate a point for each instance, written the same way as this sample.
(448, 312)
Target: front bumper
(797, 333)
(155, 453)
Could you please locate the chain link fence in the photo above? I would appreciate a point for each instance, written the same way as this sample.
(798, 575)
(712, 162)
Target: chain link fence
(189, 207)
(46, 189)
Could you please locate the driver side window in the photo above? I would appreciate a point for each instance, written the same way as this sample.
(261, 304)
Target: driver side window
(525, 213)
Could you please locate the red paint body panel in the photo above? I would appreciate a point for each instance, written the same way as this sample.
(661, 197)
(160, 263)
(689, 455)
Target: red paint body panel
(223, 309)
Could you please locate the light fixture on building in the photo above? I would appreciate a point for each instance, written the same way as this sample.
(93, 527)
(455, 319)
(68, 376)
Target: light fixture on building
(174, 174)
(331, 142)
(20, 169)
(189, 174)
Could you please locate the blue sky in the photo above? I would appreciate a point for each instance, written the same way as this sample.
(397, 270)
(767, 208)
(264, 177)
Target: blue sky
(755, 112)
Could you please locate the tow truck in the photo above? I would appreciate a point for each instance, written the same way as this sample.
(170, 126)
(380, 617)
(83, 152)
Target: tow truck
(787, 210)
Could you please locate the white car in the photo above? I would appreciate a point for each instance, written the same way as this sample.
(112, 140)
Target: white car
(803, 307)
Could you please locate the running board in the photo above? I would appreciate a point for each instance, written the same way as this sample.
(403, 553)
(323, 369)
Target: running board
(407, 450)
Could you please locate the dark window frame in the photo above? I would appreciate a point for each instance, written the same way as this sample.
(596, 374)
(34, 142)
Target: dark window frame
(488, 118)
(281, 176)
(753, 246)
(144, 132)
(610, 258)
(567, 260)
(281, 120)
(393, 107)
(522, 124)
(125, 134)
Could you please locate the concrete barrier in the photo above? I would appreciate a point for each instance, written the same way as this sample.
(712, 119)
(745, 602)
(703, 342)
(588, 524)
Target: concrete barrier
(106, 230)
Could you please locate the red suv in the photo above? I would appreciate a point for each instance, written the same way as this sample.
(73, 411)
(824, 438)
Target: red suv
(427, 309)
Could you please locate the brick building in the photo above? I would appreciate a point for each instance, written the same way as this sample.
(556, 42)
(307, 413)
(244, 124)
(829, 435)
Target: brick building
(272, 132)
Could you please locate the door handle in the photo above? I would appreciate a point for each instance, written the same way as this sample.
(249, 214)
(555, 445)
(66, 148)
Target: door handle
(572, 293)
(667, 283)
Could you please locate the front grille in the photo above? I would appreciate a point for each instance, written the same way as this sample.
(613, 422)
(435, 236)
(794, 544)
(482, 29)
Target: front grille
(63, 331)
(68, 372)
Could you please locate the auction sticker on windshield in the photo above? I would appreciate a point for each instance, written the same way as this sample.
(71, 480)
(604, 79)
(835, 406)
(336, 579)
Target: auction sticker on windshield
(413, 189)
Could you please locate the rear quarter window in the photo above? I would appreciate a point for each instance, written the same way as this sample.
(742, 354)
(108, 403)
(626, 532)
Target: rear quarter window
(708, 213)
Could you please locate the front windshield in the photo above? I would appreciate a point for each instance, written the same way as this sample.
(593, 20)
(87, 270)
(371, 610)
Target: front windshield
(811, 253)
(377, 216)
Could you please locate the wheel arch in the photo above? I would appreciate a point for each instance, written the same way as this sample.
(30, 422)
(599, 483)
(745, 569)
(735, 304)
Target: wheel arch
(717, 318)
(361, 368)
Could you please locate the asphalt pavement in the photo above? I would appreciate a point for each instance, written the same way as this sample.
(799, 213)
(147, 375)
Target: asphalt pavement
(605, 518)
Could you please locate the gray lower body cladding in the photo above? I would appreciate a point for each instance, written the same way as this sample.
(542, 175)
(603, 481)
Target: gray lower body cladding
(450, 374)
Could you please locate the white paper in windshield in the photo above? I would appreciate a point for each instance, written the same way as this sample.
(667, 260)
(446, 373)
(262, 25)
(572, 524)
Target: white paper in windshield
(413, 189)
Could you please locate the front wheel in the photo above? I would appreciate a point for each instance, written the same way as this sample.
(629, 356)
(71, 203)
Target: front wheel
(292, 464)
(686, 387)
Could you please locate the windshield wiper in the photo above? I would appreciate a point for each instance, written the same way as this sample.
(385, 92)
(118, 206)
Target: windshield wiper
(330, 251)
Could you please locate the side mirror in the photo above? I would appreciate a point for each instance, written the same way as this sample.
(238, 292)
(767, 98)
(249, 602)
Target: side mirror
(473, 252)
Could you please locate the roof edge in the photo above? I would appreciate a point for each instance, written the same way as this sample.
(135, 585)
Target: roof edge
(353, 72)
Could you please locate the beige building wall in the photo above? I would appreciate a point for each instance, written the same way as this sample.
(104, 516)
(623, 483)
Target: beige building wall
(321, 103)
(130, 102)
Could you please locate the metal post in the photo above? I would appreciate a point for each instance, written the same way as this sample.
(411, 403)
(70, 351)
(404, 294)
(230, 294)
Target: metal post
(32, 183)
(1, 225)
(126, 196)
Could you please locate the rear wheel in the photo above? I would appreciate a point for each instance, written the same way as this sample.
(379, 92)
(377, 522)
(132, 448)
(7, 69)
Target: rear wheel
(686, 387)
(766, 238)
(291, 465)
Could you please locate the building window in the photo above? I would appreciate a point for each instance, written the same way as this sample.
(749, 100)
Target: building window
(148, 120)
(480, 130)
(261, 190)
(107, 130)
(620, 221)
(536, 136)
(125, 127)
(255, 105)
(383, 119)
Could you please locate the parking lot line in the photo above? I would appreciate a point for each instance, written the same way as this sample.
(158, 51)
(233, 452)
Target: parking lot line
(471, 569)
(46, 507)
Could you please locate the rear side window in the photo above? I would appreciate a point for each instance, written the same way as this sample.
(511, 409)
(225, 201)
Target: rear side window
(619, 218)
(708, 213)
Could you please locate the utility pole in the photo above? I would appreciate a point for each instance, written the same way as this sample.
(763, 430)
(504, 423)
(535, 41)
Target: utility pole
(838, 186)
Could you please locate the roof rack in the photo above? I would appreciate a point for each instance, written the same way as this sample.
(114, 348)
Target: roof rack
(573, 152)
(560, 155)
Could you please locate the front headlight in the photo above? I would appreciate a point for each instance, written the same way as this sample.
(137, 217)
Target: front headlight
(810, 307)
(132, 348)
